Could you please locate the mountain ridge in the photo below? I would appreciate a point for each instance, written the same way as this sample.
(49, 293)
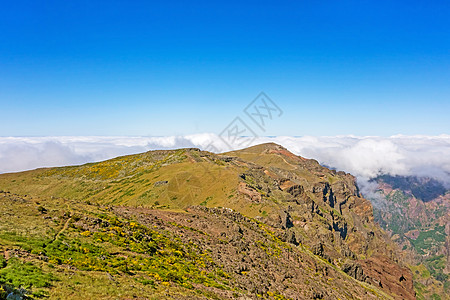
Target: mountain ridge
(307, 207)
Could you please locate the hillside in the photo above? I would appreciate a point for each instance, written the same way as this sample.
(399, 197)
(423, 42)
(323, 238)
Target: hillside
(416, 213)
(184, 224)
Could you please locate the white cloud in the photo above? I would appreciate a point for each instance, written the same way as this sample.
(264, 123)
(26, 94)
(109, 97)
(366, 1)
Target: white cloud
(365, 157)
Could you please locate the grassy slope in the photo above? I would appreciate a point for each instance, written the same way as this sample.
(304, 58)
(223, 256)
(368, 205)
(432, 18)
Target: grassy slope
(120, 258)
(169, 180)
(81, 251)
(137, 180)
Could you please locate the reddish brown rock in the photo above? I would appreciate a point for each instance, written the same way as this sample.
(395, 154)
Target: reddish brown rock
(396, 280)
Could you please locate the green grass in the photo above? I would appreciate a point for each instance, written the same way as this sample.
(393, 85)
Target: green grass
(17, 274)
(436, 266)
(81, 233)
(427, 239)
(24, 274)
(147, 255)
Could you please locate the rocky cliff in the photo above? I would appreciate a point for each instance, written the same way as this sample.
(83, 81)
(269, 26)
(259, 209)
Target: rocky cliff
(258, 222)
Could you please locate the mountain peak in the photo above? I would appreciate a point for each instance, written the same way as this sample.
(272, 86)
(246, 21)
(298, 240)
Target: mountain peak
(263, 202)
(264, 147)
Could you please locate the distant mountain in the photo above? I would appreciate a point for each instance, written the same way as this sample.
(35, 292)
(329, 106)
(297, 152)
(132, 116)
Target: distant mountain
(188, 224)
(422, 188)
(416, 213)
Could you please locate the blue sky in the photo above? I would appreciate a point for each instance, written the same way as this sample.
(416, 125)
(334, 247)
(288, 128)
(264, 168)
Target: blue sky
(178, 67)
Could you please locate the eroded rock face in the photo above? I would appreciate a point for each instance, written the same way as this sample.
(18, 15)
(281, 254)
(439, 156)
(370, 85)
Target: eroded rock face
(323, 190)
(249, 192)
(286, 219)
(298, 193)
(256, 261)
(355, 270)
(289, 236)
(390, 276)
(333, 219)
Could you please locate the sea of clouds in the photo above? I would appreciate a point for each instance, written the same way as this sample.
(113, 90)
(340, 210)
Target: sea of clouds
(365, 157)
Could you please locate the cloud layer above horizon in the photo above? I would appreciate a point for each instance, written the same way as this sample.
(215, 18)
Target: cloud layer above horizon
(364, 157)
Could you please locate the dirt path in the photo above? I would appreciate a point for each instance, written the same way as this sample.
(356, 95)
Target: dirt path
(293, 166)
(62, 230)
